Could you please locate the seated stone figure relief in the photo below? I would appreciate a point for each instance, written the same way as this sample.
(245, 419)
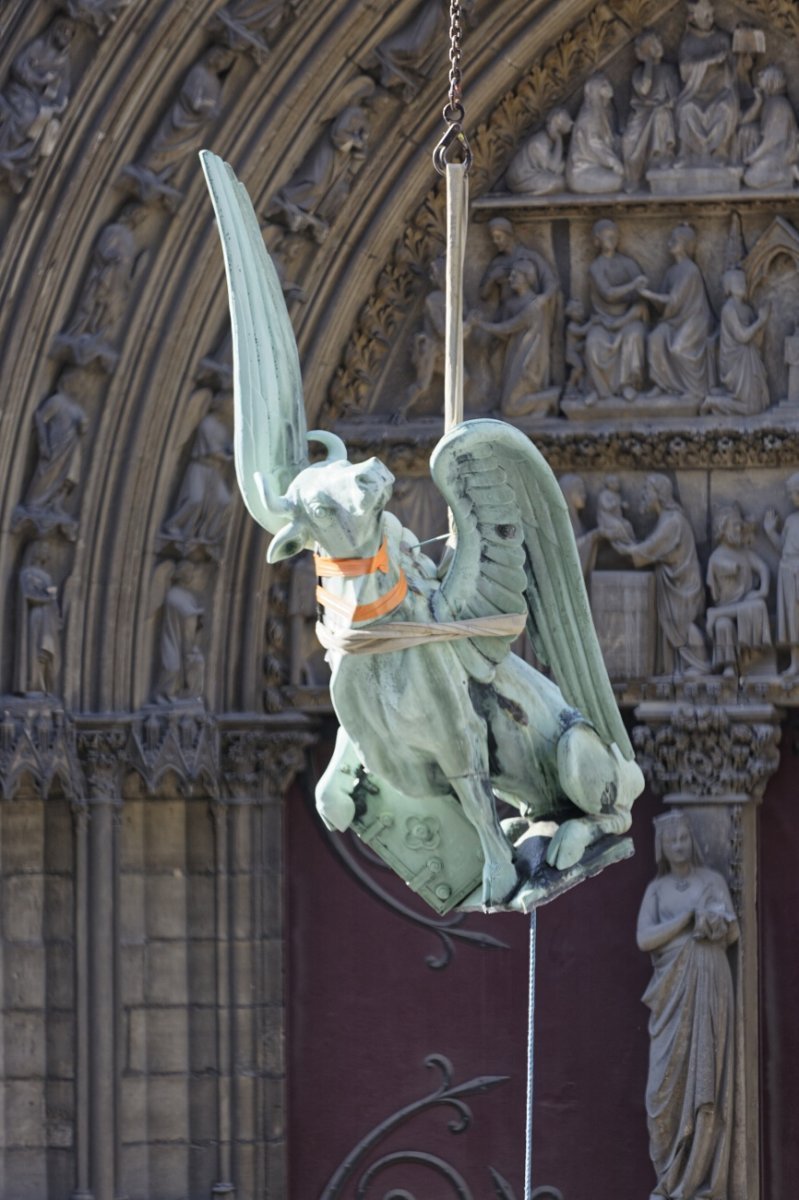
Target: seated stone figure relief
(650, 138)
(738, 581)
(615, 340)
(538, 168)
(742, 375)
(678, 348)
(707, 109)
(774, 160)
(594, 162)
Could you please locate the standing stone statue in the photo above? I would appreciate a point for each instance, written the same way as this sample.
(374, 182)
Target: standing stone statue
(203, 505)
(744, 385)
(774, 161)
(60, 426)
(594, 162)
(679, 595)
(587, 540)
(738, 580)
(786, 542)
(527, 329)
(250, 25)
(427, 354)
(679, 350)
(650, 139)
(406, 56)
(539, 166)
(707, 109)
(687, 923)
(182, 663)
(38, 664)
(615, 344)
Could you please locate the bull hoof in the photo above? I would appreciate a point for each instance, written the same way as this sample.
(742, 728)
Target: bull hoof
(499, 882)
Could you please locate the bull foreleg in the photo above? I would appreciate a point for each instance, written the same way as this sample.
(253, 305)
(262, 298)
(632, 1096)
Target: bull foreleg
(334, 801)
(598, 780)
(477, 801)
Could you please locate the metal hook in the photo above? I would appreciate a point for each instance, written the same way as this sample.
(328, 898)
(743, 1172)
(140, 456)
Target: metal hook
(454, 134)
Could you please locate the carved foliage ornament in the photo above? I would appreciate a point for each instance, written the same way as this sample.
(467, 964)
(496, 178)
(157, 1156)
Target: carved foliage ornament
(708, 752)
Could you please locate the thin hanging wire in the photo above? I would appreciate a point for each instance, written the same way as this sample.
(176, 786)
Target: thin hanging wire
(528, 1161)
(454, 111)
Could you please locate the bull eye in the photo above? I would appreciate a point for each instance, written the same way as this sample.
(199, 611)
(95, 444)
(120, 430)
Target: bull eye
(322, 514)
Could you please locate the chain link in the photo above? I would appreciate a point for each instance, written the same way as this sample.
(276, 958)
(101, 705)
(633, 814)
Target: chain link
(454, 111)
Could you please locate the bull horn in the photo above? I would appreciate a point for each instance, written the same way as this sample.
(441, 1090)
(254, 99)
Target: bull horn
(336, 450)
(276, 511)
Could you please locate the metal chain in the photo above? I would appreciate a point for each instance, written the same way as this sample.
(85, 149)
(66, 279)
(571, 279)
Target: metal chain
(454, 111)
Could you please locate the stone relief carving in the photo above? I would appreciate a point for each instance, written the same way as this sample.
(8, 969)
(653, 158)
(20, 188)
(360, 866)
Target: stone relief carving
(615, 336)
(314, 195)
(575, 495)
(678, 348)
(38, 642)
(785, 540)
(526, 329)
(181, 660)
(251, 26)
(60, 424)
(33, 102)
(650, 139)
(773, 161)
(427, 354)
(99, 15)
(198, 102)
(90, 336)
(593, 163)
(687, 923)
(197, 525)
(406, 56)
(742, 373)
(670, 549)
(738, 582)
(539, 166)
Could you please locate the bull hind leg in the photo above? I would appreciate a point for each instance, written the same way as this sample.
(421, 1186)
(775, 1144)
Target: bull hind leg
(499, 873)
(599, 781)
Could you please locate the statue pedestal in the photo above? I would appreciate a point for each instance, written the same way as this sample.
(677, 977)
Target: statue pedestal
(690, 181)
(715, 762)
(615, 408)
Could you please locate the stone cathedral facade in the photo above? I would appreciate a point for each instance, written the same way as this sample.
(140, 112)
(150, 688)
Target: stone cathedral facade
(202, 994)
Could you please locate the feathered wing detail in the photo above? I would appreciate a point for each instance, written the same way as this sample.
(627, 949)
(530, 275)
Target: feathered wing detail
(516, 548)
(270, 428)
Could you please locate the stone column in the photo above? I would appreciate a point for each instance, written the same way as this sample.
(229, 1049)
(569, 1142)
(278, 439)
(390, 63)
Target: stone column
(258, 764)
(715, 762)
(101, 756)
(80, 813)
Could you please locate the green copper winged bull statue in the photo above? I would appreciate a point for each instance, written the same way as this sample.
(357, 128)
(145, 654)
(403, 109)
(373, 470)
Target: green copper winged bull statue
(438, 718)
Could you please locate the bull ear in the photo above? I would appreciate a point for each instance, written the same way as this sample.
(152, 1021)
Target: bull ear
(291, 539)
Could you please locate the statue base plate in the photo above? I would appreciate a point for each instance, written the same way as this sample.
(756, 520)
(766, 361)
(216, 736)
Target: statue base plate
(617, 408)
(541, 883)
(703, 181)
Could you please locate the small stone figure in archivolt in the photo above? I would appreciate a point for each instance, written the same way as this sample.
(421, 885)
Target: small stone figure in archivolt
(434, 708)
